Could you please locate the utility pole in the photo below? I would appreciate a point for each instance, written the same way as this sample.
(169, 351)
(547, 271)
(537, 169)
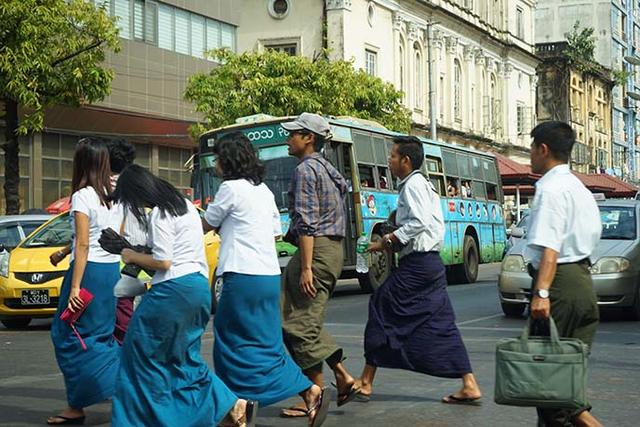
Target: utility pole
(432, 83)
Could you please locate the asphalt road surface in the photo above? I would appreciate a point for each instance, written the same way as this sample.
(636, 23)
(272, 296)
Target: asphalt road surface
(31, 387)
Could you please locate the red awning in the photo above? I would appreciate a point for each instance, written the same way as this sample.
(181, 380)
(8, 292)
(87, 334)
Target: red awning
(59, 206)
(512, 172)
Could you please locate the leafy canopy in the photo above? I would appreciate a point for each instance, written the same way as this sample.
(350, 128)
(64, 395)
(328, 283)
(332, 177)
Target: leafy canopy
(50, 53)
(281, 85)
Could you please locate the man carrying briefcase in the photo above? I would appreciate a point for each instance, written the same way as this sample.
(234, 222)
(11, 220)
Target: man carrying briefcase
(565, 229)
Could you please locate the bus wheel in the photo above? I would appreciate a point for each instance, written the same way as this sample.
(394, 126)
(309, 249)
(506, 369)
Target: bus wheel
(378, 271)
(467, 272)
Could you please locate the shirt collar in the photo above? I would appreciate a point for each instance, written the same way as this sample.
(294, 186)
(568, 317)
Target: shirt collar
(406, 178)
(313, 155)
(553, 172)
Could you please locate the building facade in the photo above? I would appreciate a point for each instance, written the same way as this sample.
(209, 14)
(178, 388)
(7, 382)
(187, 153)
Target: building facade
(581, 98)
(162, 44)
(483, 61)
(617, 30)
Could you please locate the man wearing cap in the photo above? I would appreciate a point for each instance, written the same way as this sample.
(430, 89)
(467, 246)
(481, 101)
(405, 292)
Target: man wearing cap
(317, 227)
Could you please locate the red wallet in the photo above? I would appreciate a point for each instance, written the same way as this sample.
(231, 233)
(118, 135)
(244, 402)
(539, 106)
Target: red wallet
(69, 317)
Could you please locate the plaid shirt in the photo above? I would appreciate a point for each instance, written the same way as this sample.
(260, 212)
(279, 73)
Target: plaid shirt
(316, 199)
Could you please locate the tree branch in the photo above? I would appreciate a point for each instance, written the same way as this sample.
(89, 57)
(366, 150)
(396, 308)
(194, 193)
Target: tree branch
(76, 53)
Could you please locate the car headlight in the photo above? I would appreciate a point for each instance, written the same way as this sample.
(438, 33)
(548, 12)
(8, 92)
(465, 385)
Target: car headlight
(4, 264)
(607, 265)
(514, 263)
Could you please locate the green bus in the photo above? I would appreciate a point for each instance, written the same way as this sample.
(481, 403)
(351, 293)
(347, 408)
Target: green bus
(467, 181)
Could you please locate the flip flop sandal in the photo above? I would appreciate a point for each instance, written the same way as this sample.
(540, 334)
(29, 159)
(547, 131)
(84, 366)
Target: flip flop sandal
(321, 409)
(453, 400)
(362, 397)
(76, 421)
(295, 412)
(344, 398)
(251, 413)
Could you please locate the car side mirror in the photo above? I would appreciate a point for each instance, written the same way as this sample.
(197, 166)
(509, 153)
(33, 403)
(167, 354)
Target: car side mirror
(518, 232)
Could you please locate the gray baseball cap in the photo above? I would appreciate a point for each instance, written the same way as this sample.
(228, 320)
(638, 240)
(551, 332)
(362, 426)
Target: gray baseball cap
(311, 122)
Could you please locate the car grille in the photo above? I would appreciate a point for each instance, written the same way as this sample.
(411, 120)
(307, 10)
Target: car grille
(15, 304)
(39, 278)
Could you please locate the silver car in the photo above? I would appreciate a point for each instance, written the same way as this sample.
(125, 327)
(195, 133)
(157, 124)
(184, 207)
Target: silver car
(14, 228)
(615, 269)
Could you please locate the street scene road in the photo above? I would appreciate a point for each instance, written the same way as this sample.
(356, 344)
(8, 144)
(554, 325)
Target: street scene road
(32, 388)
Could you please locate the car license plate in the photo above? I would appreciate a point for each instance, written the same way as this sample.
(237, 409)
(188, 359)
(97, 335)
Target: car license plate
(35, 297)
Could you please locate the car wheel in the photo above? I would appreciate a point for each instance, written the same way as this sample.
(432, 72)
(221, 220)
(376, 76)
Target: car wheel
(634, 311)
(379, 269)
(513, 310)
(467, 272)
(20, 323)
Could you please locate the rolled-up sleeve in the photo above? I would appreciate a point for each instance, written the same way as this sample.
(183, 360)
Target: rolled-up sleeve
(418, 207)
(549, 227)
(306, 200)
(161, 236)
(223, 203)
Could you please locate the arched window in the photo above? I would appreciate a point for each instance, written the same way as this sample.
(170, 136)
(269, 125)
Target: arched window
(419, 77)
(457, 90)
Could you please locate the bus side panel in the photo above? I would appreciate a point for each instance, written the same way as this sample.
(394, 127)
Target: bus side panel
(499, 233)
(450, 233)
(376, 206)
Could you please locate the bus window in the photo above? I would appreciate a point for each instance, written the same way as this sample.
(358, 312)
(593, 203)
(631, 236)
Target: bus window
(476, 169)
(384, 183)
(453, 187)
(450, 163)
(379, 149)
(433, 165)
(364, 150)
(477, 190)
(463, 166)
(490, 174)
(438, 183)
(492, 191)
(366, 176)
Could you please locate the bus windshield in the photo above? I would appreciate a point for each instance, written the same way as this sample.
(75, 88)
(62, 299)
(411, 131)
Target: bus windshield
(279, 168)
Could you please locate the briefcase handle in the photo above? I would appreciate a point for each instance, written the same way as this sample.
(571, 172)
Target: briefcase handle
(553, 332)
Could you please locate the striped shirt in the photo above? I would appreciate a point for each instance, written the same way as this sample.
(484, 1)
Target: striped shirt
(316, 199)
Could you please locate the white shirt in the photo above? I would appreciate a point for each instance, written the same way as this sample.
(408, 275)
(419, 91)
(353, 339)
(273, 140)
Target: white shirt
(248, 219)
(179, 240)
(419, 216)
(86, 201)
(564, 217)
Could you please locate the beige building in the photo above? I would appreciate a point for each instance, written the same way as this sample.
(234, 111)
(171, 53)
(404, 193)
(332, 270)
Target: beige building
(583, 99)
(483, 60)
(162, 45)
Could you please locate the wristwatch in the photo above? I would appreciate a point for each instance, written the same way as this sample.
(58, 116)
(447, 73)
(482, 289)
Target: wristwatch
(541, 293)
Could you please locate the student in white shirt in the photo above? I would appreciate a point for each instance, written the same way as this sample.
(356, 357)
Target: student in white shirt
(89, 374)
(249, 354)
(411, 321)
(162, 372)
(564, 231)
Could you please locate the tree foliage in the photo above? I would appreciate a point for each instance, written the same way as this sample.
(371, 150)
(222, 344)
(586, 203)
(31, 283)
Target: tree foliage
(581, 48)
(281, 85)
(50, 53)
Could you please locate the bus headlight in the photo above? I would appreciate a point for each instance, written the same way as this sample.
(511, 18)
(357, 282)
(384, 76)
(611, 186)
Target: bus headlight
(606, 265)
(4, 264)
(514, 263)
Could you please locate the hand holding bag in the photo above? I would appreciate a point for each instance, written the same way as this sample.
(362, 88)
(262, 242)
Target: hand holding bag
(545, 372)
(69, 317)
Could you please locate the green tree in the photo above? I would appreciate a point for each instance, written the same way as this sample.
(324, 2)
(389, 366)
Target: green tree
(50, 53)
(582, 46)
(281, 85)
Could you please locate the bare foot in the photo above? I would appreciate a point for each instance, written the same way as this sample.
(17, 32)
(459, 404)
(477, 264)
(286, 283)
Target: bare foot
(585, 419)
(65, 416)
(365, 388)
(311, 396)
(296, 411)
(236, 416)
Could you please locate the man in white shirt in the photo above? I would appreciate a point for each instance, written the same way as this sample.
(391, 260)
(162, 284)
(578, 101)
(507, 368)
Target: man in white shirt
(411, 321)
(565, 229)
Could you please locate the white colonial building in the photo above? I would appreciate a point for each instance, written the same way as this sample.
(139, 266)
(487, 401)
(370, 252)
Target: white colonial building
(483, 62)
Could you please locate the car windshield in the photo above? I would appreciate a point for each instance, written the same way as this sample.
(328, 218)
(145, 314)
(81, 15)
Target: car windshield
(58, 232)
(618, 222)
(524, 222)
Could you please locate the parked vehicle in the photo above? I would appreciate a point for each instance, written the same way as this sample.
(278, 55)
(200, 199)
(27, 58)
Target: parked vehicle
(14, 228)
(615, 269)
(30, 285)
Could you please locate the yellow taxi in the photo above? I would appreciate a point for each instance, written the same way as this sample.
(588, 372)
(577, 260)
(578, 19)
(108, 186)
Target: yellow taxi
(30, 284)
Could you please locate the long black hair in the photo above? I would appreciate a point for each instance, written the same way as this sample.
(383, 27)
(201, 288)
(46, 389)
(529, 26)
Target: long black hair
(238, 159)
(91, 168)
(138, 189)
(122, 153)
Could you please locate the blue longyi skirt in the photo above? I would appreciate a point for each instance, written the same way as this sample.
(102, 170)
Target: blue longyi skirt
(248, 353)
(163, 380)
(89, 375)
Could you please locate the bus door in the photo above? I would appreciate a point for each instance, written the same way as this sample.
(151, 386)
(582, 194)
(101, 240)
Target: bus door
(339, 154)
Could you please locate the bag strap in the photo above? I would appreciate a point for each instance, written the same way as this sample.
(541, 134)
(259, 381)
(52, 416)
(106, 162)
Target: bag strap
(553, 332)
(338, 186)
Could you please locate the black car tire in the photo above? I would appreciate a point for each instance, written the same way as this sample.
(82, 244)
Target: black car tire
(634, 311)
(467, 272)
(513, 310)
(381, 263)
(19, 323)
